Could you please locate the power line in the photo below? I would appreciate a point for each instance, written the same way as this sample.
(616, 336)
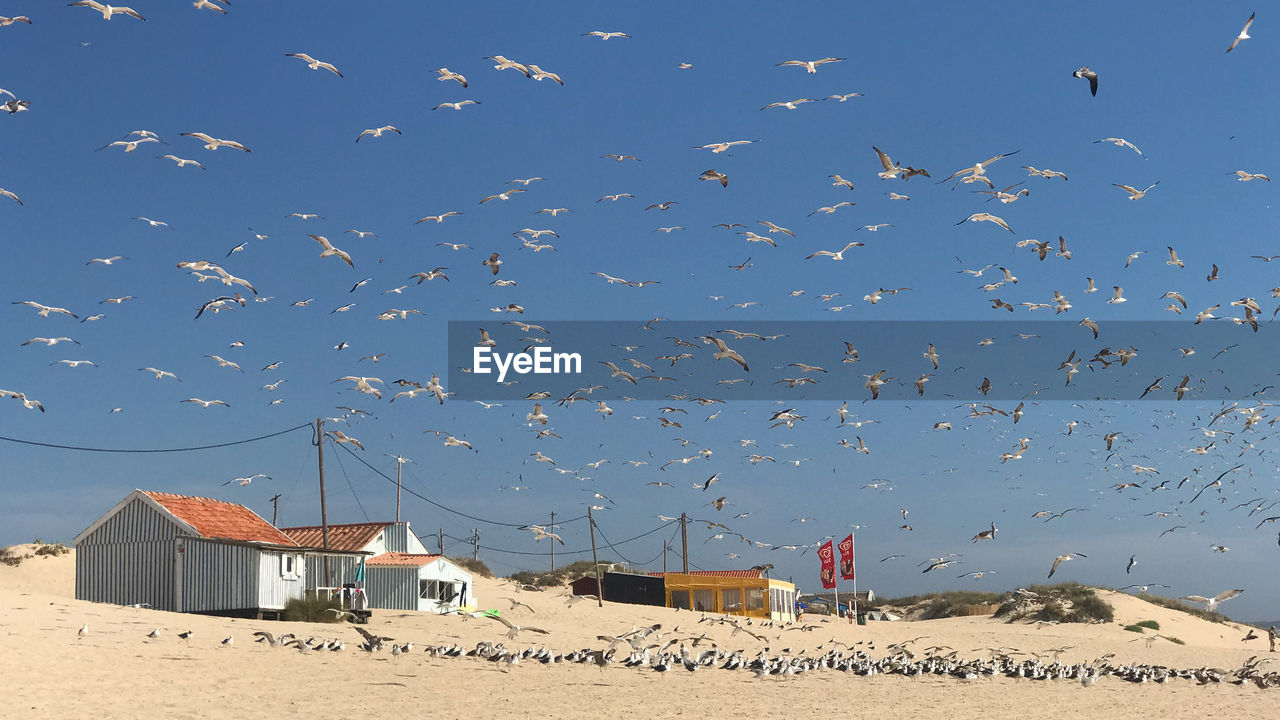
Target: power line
(579, 552)
(606, 542)
(349, 486)
(151, 450)
(426, 499)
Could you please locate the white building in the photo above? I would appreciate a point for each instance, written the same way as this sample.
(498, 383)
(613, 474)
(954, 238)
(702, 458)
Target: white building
(401, 574)
(188, 554)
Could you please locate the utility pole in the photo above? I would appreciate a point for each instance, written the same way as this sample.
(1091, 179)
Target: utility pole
(441, 540)
(275, 509)
(324, 513)
(684, 541)
(552, 527)
(475, 544)
(399, 469)
(594, 559)
(664, 557)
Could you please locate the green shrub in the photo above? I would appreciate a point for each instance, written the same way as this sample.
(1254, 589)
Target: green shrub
(1149, 624)
(472, 566)
(940, 605)
(10, 558)
(1066, 602)
(311, 609)
(52, 549)
(1176, 641)
(1134, 628)
(560, 576)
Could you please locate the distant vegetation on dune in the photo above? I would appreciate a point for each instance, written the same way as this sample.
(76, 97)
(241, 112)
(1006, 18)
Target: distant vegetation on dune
(14, 555)
(931, 606)
(562, 575)
(1066, 602)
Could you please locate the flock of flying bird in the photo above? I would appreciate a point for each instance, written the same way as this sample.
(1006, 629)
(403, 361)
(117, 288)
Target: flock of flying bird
(1239, 425)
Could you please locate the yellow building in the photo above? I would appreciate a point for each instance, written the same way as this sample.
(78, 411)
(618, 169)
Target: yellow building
(733, 592)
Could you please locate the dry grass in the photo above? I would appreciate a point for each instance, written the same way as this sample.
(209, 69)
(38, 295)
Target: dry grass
(1065, 603)
(940, 605)
(1173, 604)
(311, 609)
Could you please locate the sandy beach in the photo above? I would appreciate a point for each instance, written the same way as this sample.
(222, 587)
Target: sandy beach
(114, 671)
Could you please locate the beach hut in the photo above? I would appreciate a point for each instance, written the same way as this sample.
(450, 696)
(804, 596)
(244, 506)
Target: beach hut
(372, 538)
(414, 581)
(627, 588)
(188, 554)
(733, 592)
(399, 575)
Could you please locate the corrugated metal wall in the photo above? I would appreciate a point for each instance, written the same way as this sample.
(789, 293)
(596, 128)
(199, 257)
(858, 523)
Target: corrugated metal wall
(126, 574)
(218, 576)
(129, 559)
(275, 587)
(392, 587)
(342, 570)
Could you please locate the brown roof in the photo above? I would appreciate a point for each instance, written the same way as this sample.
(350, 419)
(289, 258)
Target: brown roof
(218, 519)
(715, 573)
(402, 559)
(354, 536)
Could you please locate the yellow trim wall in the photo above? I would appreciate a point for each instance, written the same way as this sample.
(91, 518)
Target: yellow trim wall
(749, 597)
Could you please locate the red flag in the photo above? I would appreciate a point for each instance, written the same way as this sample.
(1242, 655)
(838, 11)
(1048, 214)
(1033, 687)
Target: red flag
(846, 557)
(828, 557)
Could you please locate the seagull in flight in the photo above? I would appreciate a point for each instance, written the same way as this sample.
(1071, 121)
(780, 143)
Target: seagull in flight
(1134, 193)
(1244, 33)
(1089, 75)
(810, 66)
(108, 11)
(313, 63)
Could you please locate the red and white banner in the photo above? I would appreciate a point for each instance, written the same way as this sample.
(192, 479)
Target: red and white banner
(846, 558)
(828, 557)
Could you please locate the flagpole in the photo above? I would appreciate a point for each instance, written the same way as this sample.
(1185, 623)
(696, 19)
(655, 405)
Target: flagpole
(835, 578)
(853, 550)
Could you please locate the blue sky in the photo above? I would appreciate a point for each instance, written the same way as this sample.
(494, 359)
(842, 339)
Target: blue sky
(942, 89)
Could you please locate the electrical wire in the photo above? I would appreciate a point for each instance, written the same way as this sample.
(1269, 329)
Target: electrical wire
(152, 450)
(446, 508)
(577, 552)
(349, 486)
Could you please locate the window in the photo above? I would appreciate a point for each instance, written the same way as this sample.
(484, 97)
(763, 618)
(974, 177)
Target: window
(731, 600)
(680, 599)
(448, 591)
(704, 600)
(288, 567)
(428, 589)
(755, 598)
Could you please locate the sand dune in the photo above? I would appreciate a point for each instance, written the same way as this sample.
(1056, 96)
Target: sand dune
(116, 672)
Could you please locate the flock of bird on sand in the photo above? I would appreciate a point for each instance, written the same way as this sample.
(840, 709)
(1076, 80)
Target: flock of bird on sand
(652, 648)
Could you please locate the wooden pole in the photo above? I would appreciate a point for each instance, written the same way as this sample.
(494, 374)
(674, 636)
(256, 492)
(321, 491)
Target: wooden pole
(440, 539)
(275, 509)
(475, 545)
(664, 557)
(684, 541)
(399, 469)
(324, 513)
(595, 560)
(552, 528)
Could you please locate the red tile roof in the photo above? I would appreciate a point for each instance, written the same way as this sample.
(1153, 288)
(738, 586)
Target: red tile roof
(402, 559)
(354, 536)
(218, 519)
(716, 573)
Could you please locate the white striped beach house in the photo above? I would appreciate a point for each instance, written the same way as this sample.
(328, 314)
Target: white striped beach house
(399, 575)
(191, 554)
